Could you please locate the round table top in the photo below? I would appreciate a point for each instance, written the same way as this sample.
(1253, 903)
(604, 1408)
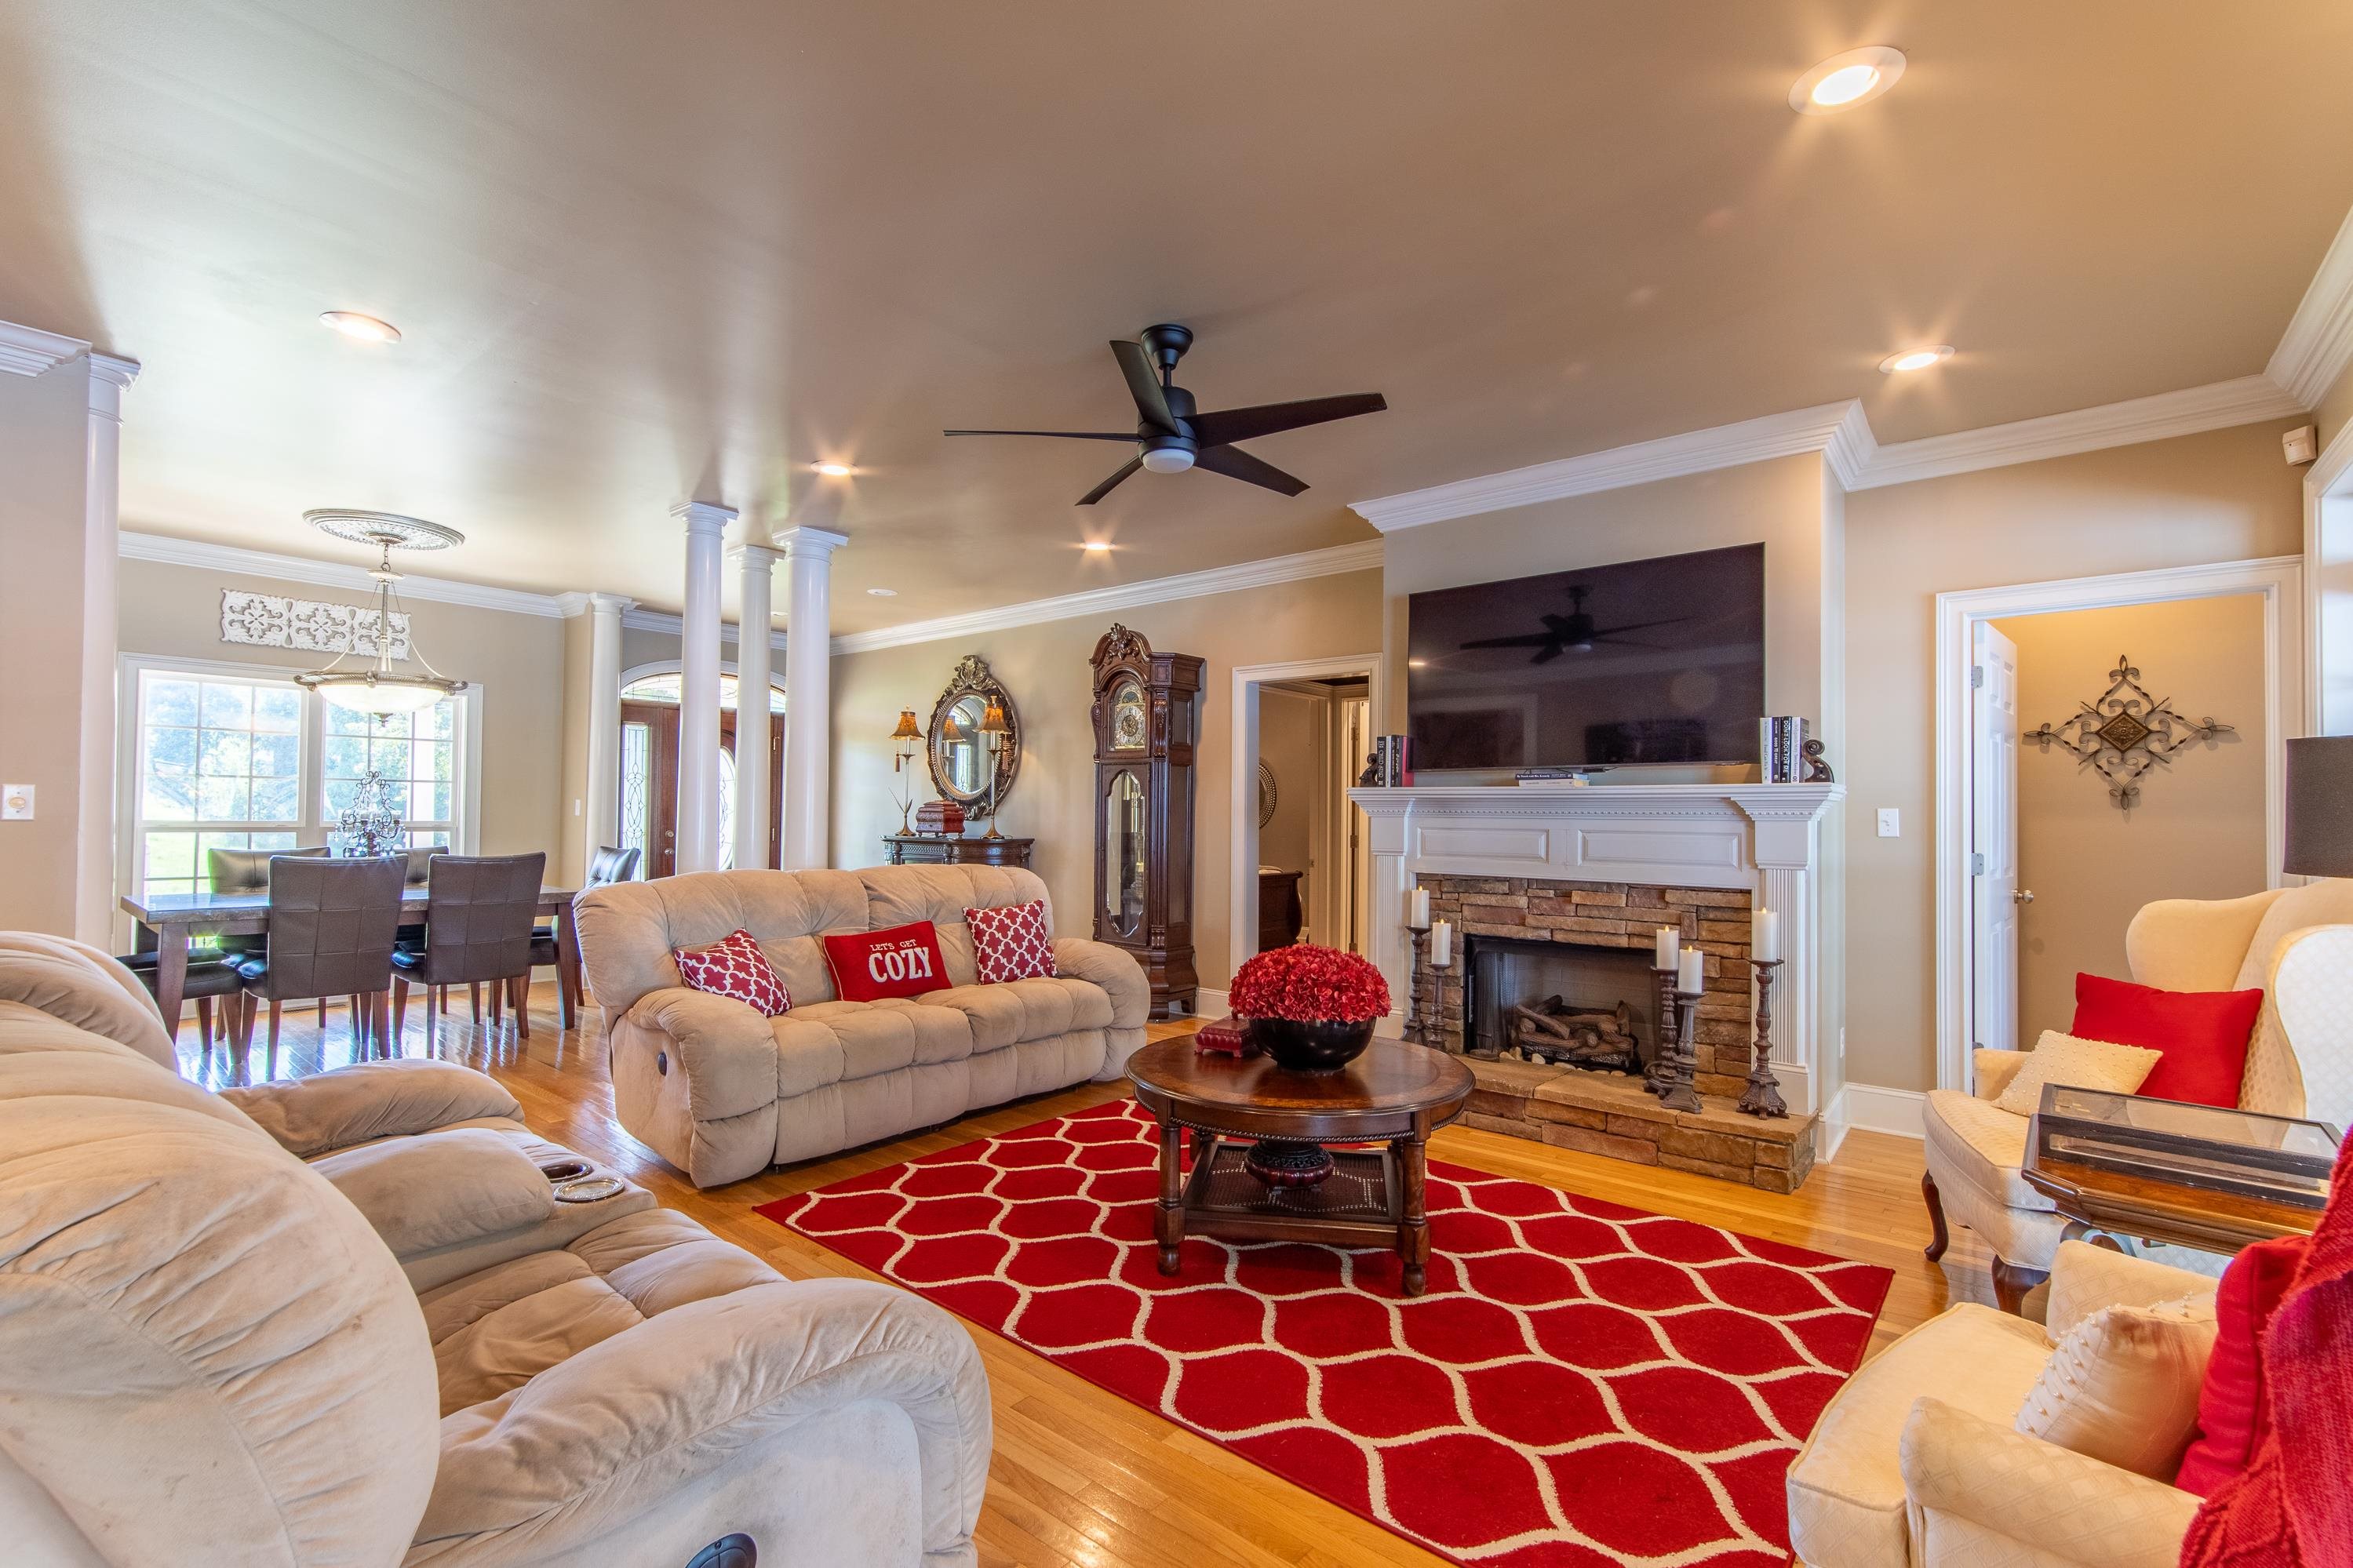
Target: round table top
(1392, 1076)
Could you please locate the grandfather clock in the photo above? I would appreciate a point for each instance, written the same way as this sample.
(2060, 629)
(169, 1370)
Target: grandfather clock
(1148, 719)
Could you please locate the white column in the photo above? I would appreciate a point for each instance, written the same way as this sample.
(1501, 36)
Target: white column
(752, 652)
(808, 676)
(603, 823)
(698, 704)
(94, 890)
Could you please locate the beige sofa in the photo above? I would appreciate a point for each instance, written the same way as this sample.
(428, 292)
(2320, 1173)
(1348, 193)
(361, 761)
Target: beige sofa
(344, 1321)
(723, 1093)
(1916, 1461)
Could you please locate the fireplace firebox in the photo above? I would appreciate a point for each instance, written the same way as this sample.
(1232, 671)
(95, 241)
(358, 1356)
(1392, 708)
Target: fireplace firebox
(1571, 1003)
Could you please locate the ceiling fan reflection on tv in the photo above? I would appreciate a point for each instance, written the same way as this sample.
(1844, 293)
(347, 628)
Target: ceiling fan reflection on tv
(1574, 633)
(1171, 436)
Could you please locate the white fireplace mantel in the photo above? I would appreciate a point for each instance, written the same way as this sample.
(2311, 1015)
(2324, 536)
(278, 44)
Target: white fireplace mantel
(1757, 839)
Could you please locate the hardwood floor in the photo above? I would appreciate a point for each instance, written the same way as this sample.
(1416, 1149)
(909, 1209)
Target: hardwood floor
(1083, 1478)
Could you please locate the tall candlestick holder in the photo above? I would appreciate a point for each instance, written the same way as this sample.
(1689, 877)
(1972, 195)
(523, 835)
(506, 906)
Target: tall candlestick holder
(1661, 1074)
(1420, 1019)
(1763, 1095)
(1680, 1094)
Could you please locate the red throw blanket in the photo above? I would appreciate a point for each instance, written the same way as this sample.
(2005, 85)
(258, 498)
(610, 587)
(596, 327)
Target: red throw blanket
(2292, 1507)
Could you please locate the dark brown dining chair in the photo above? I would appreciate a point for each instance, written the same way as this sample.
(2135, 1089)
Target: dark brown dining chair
(331, 924)
(478, 916)
(607, 867)
(211, 974)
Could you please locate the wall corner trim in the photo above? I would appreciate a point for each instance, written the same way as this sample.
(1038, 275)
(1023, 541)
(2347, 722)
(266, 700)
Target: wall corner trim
(29, 351)
(2318, 343)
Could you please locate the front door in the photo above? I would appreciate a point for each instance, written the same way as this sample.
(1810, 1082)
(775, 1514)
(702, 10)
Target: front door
(650, 785)
(1992, 847)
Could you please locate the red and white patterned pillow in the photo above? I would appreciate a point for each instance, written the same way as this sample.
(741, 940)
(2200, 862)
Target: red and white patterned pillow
(735, 966)
(1011, 943)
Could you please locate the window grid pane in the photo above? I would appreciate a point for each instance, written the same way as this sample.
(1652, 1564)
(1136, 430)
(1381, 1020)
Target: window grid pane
(416, 754)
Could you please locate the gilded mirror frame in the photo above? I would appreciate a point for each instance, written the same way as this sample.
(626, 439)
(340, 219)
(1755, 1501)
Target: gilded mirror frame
(974, 679)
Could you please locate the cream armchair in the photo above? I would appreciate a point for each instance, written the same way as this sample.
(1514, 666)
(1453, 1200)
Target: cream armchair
(2294, 942)
(1916, 1461)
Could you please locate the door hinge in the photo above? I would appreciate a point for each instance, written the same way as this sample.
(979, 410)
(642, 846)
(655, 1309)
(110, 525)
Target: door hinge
(1977, 865)
(1977, 676)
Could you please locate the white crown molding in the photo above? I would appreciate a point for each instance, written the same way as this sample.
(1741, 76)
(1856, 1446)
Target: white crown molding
(2318, 343)
(212, 557)
(2190, 411)
(1330, 563)
(29, 351)
(1693, 452)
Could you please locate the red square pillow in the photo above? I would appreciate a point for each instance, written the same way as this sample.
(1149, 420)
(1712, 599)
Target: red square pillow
(2203, 1034)
(1011, 943)
(2229, 1402)
(904, 960)
(735, 966)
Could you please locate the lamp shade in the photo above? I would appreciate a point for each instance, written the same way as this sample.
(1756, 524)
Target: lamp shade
(993, 722)
(2320, 808)
(906, 729)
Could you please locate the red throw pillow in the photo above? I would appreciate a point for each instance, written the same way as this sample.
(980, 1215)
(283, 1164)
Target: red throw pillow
(1011, 943)
(2229, 1401)
(735, 966)
(904, 960)
(2203, 1034)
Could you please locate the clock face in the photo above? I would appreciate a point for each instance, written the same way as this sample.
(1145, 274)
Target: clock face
(1127, 718)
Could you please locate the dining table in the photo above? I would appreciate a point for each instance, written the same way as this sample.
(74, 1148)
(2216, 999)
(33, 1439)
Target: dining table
(168, 921)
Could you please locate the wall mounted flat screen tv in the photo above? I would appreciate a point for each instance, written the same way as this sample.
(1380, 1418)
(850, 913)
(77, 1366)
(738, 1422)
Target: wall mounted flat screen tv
(1659, 661)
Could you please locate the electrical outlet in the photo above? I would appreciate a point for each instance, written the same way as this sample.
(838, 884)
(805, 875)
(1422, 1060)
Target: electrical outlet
(1891, 823)
(16, 803)
(575, 808)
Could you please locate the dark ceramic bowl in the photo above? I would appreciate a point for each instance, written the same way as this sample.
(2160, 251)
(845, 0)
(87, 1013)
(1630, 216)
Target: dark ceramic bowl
(1323, 1046)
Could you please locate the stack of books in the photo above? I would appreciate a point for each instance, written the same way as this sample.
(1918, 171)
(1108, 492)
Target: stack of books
(1782, 749)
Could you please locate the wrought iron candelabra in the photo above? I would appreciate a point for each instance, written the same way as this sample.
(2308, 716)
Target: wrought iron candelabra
(1763, 1096)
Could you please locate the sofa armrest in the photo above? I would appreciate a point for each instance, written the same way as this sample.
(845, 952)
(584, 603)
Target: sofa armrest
(2194, 945)
(1977, 1491)
(2085, 1279)
(371, 1100)
(725, 1047)
(1995, 1069)
(1122, 978)
(597, 1439)
(442, 1189)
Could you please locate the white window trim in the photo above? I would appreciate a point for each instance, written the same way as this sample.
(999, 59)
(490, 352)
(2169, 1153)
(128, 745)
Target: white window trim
(311, 829)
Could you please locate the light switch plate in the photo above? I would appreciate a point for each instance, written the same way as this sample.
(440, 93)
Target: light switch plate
(16, 803)
(1891, 823)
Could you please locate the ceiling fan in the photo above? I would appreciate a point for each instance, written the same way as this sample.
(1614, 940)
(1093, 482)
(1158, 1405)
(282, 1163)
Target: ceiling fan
(1572, 633)
(1173, 438)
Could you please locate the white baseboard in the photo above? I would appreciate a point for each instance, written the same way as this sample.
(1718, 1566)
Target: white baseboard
(1874, 1109)
(1210, 1004)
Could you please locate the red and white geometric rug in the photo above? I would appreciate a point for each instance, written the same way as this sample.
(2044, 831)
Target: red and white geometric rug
(1582, 1384)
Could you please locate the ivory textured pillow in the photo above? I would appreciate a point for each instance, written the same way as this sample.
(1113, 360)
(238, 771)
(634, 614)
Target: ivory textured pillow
(2083, 1064)
(2122, 1388)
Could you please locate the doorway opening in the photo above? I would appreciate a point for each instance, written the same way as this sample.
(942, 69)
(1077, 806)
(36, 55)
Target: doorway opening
(648, 762)
(2046, 852)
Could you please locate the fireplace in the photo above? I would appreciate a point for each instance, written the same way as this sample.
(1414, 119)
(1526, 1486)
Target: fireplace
(1573, 1003)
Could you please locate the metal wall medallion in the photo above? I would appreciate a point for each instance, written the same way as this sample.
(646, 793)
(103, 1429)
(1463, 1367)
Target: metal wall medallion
(1266, 793)
(2127, 732)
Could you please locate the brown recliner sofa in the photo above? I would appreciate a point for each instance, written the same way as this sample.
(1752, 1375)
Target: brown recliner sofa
(346, 1320)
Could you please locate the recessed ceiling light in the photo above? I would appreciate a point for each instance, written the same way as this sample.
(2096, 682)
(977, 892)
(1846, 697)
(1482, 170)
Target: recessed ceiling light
(1848, 81)
(1096, 546)
(884, 593)
(1915, 359)
(352, 324)
(832, 470)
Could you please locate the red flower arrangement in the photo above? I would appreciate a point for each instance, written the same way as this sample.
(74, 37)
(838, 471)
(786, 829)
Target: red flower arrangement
(1309, 985)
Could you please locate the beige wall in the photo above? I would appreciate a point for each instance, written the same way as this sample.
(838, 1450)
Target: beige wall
(43, 423)
(518, 661)
(1045, 667)
(2196, 831)
(2221, 496)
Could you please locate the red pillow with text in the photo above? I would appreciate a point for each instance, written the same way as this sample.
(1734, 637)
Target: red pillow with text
(1011, 943)
(904, 960)
(2201, 1033)
(735, 966)
(2231, 1399)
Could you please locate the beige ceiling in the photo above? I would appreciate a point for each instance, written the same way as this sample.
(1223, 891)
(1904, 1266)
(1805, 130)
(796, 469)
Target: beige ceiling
(648, 251)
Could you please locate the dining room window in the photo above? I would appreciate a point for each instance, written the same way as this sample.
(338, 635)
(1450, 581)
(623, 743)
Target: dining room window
(220, 756)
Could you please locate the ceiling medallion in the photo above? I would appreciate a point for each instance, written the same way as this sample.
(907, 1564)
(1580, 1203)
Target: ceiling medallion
(376, 686)
(2127, 732)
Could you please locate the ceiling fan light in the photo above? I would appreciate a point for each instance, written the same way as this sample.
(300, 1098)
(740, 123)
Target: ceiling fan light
(1168, 460)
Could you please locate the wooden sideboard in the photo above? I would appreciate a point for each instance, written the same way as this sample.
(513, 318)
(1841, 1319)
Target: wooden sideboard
(939, 849)
(1279, 915)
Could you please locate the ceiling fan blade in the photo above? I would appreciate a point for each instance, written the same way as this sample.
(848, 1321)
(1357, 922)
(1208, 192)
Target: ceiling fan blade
(1549, 655)
(1135, 364)
(1111, 483)
(1228, 424)
(1642, 626)
(1532, 639)
(1237, 464)
(1058, 435)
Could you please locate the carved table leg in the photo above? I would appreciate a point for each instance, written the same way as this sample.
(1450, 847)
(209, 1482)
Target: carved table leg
(1939, 1238)
(1413, 1220)
(1168, 1222)
(2010, 1284)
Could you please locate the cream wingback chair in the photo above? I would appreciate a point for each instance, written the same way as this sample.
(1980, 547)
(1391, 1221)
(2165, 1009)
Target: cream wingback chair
(2294, 942)
(345, 1320)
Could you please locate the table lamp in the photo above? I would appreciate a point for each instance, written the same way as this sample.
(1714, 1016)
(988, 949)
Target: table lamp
(2319, 807)
(993, 730)
(906, 743)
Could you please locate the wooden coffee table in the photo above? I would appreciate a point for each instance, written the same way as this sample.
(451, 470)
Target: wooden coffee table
(1395, 1095)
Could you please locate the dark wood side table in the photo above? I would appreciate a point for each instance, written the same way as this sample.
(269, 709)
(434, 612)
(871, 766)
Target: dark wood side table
(1279, 915)
(939, 849)
(1395, 1095)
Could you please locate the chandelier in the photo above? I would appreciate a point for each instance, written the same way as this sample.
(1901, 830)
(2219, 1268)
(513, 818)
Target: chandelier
(376, 686)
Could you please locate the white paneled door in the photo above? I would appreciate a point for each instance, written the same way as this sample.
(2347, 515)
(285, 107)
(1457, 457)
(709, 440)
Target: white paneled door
(1993, 838)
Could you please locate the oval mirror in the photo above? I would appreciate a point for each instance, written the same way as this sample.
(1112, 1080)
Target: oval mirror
(967, 750)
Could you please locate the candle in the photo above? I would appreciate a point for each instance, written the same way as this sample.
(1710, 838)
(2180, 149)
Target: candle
(1765, 935)
(1670, 938)
(1419, 919)
(1441, 945)
(1688, 981)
